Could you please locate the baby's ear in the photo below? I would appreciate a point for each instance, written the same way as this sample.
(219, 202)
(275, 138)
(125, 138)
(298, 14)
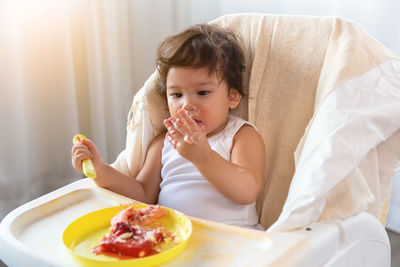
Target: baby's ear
(234, 98)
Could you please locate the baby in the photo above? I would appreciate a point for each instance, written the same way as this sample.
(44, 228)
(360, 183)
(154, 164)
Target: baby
(209, 164)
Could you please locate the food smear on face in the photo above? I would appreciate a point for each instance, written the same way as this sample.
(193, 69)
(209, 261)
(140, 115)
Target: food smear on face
(135, 233)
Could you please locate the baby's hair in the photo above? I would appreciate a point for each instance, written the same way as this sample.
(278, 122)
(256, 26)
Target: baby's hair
(203, 45)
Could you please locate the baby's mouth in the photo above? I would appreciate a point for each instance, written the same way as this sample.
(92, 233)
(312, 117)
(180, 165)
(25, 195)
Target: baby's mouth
(196, 121)
(200, 124)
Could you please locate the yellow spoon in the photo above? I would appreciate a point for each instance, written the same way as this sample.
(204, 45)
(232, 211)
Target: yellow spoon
(87, 164)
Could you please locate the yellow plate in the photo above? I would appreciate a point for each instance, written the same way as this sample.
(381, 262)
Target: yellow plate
(85, 233)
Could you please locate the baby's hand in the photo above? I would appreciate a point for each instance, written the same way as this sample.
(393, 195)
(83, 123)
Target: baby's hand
(186, 137)
(85, 149)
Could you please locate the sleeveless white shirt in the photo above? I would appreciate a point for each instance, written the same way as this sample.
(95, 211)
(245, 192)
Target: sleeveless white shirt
(183, 188)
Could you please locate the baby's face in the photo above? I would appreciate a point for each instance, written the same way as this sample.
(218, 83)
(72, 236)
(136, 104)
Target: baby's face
(204, 97)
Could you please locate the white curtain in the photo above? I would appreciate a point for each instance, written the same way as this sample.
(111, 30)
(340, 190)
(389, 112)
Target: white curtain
(66, 67)
(73, 66)
(38, 111)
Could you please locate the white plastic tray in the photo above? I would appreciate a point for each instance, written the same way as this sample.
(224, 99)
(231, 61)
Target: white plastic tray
(32, 234)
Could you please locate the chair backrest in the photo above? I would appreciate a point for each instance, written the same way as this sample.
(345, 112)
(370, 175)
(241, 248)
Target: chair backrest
(283, 69)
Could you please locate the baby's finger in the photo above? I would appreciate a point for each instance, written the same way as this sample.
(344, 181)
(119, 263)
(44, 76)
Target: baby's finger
(76, 148)
(89, 144)
(168, 124)
(192, 125)
(82, 152)
(172, 140)
(81, 157)
(181, 127)
(95, 154)
(78, 158)
(173, 132)
(187, 134)
(78, 166)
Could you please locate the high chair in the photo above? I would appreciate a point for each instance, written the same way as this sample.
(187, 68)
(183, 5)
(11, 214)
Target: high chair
(325, 97)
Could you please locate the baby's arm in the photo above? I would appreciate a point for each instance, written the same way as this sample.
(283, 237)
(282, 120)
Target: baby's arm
(239, 179)
(144, 188)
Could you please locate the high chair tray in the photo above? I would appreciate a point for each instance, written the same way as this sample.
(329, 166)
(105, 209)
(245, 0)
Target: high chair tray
(34, 230)
(31, 235)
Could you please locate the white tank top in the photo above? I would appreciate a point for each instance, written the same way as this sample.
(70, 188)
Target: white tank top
(183, 188)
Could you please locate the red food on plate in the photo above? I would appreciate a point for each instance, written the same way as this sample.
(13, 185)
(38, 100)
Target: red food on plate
(135, 233)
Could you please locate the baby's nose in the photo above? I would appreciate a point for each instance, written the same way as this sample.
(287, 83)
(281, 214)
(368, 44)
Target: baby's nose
(188, 105)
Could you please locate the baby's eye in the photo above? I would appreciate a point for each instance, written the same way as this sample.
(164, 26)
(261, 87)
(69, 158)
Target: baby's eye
(176, 95)
(203, 92)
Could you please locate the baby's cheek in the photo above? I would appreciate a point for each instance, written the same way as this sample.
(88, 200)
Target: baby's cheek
(173, 110)
(204, 117)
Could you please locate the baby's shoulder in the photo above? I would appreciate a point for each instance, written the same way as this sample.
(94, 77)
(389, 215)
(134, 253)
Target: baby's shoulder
(248, 134)
(246, 130)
